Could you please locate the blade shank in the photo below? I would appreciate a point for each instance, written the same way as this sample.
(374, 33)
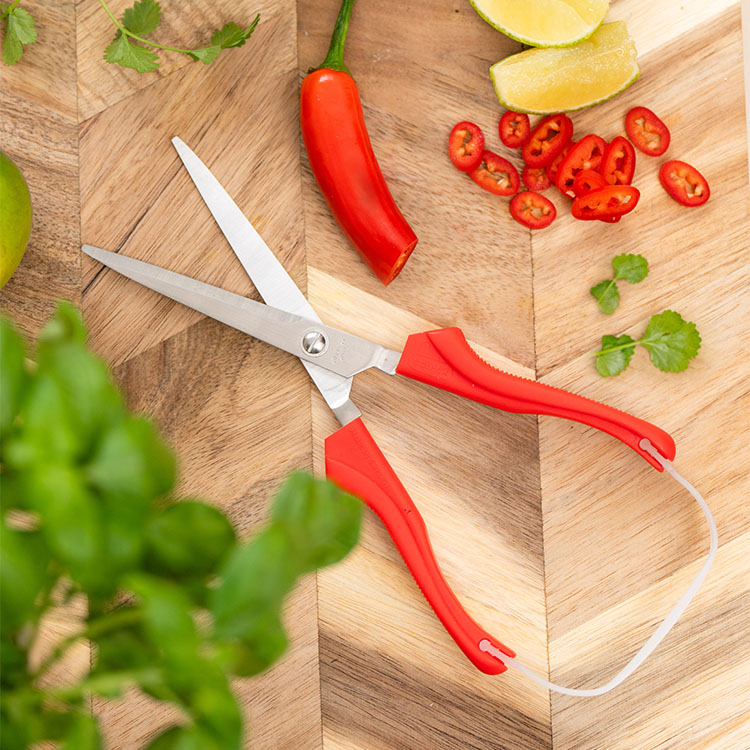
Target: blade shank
(344, 355)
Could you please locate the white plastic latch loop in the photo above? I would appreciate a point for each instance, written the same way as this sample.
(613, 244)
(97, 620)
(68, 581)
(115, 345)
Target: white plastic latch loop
(666, 625)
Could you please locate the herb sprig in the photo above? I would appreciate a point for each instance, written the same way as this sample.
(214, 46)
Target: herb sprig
(627, 267)
(670, 341)
(19, 31)
(131, 49)
(176, 605)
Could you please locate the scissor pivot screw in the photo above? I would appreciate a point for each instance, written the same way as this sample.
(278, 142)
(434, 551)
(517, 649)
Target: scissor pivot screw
(314, 342)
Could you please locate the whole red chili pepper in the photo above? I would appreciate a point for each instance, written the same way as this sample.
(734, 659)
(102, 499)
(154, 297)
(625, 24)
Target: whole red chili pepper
(342, 160)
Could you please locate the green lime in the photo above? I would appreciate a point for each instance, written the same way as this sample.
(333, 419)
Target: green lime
(543, 23)
(542, 81)
(15, 217)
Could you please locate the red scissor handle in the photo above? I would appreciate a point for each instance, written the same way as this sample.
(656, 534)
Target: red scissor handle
(443, 358)
(355, 463)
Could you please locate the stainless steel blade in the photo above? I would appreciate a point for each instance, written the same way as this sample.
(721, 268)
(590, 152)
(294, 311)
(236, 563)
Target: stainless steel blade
(336, 351)
(266, 272)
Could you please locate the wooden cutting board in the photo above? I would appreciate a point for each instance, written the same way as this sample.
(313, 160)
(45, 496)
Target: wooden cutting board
(556, 538)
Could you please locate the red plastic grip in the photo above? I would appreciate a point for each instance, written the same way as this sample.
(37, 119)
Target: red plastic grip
(355, 463)
(443, 358)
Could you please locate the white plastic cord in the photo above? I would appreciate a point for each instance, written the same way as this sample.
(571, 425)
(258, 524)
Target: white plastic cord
(669, 621)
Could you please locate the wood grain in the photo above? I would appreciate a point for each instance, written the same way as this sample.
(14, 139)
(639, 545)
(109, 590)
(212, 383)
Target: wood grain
(39, 131)
(558, 540)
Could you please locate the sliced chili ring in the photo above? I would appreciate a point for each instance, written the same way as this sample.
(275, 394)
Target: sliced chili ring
(466, 146)
(586, 181)
(532, 210)
(647, 132)
(536, 178)
(547, 140)
(514, 129)
(684, 183)
(554, 166)
(497, 175)
(586, 154)
(618, 163)
(606, 203)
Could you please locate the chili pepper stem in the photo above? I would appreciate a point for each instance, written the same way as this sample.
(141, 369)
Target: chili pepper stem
(335, 57)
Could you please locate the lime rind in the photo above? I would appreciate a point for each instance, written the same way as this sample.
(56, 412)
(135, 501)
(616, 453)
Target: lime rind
(542, 81)
(516, 108)
(537, 42)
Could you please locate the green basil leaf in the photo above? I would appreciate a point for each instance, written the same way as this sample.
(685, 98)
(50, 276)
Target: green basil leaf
(256, 578)
(122, 535)
(183, 738)
(189, 538)
(170, 628)
(132, 462)
(65, 325)
(12, 375)
(321, 520)
(11, 495)
(13, 659)
(263, 642)
(53, 725)
(18, 719)
(215, 711)
(174, 738)
(94, 403)
(49, 427)
(24, 564)
(70, 522)
(126, 648)
(83, 734)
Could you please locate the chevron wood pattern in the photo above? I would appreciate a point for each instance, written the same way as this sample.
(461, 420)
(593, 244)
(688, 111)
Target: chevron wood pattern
(557, 539)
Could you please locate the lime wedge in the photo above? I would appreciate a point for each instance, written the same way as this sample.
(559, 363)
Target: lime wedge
(541, 81)
(543, 23)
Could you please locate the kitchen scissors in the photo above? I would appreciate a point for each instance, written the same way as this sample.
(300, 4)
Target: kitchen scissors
(440, 358)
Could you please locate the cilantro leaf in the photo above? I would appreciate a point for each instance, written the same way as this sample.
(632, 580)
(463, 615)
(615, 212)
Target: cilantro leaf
(232, 35)
(205, 54)
(615, 354)
(607, 296)
(629, 267)
(671, 341)
(19, 30)
(143, 17)
(128, 55)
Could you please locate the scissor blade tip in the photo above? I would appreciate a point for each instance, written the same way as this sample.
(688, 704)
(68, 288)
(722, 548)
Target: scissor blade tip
(96, 253)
